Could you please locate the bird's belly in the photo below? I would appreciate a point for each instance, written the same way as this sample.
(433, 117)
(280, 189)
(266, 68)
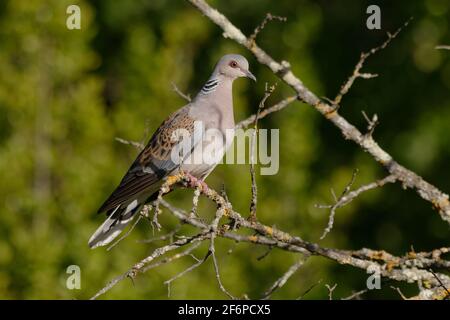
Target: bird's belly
(208, 153)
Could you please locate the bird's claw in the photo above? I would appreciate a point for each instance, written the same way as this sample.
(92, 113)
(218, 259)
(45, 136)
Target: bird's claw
(194, 182)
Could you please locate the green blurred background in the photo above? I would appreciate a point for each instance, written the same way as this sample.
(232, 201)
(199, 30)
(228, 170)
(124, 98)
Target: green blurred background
(66, 94)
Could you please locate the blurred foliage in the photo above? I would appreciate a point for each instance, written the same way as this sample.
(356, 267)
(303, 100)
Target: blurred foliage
(66, 94)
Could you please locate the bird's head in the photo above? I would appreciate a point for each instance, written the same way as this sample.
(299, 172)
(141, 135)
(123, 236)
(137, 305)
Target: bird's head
(234, 66)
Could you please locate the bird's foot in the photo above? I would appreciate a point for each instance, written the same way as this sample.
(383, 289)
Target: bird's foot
(204, 186)
(195, 182)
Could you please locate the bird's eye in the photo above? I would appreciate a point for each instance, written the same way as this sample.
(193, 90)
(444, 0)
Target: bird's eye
(233, 64)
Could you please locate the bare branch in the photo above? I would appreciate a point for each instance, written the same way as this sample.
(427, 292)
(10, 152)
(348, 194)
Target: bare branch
(330, 290)
(362, 59)
(165, 188)
(265, 112)
(186, 97)
(182, 273)
(409, 179)
(214, 228)
(442, 47)
(400, 269)
(408, 268)
(309, 289)
(163, 237)
(135, 144)
(254, 201)
(137, 268)
(283, 279)
(265, 254)
(440, 283)
(356, 295)
(187, 252)
(259, 28)
(399, 292)
(371, 123)
(347, 197)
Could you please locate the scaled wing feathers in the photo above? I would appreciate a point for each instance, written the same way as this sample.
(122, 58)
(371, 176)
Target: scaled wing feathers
(154, 162)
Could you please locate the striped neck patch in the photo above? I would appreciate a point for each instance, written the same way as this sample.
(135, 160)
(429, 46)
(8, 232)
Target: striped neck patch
(210, 86)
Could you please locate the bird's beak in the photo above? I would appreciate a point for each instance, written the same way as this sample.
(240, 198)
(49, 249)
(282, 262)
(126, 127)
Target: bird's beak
(250, 75)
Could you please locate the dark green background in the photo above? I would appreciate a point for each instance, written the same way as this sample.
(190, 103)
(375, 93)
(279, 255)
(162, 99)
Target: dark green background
(65, 95)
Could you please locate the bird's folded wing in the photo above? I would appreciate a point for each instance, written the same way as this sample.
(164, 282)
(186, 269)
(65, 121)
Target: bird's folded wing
(155, 160)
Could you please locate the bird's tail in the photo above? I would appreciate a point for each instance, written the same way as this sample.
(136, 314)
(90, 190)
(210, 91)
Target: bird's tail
(114, 224)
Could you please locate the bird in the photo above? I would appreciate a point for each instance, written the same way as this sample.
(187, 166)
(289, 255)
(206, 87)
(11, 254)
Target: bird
(212, 108)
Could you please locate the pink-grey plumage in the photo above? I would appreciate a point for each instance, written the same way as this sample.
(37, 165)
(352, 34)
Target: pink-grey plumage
(213, 107)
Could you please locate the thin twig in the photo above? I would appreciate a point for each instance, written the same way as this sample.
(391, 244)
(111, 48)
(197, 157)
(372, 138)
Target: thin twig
(440, 283)
(186, 97)
(163, 237)
(399, 292)
(137, 268)
(348, 196)
(355, 295)
(183, 216)
(309, 290)
(283, 279)
(187, 252)
(371, 123)
(330, 290)
(187, 270)
(363, 57)
(165, 188)
(214, 228)
(135, 144)
(265, 254)
(262, 25)
(254, 201)
(265, 112)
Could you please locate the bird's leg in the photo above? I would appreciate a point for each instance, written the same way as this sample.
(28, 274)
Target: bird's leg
(204, 185)
(195, 182)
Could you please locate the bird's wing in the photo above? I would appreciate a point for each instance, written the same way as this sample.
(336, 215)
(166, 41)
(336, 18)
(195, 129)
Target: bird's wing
(154, 162)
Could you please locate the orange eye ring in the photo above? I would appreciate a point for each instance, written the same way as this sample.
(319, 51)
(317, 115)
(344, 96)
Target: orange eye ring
(233, 64)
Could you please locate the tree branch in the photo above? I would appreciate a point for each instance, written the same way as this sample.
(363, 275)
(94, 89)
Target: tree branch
(269, 17)
(254, 201)
(283, 279)
(362, 59)
(347, 197)
(438, 199)
(413, 267)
